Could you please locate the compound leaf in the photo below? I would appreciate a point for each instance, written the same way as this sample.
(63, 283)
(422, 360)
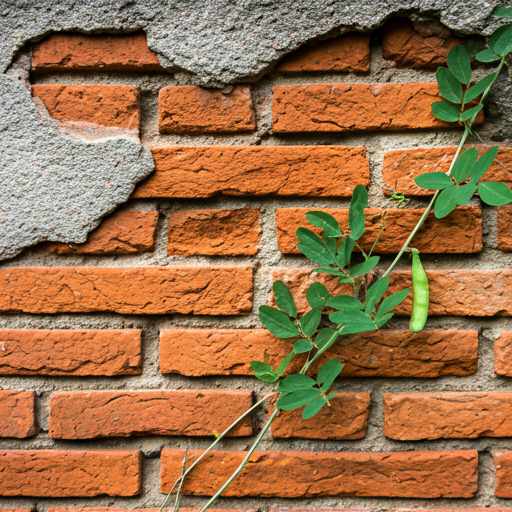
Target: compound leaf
(284, 299)
(446, 202)
(445, 111)
(278, 322)
(449, 87)
(495, 194)
(325, 221)
(356, 212)
(433, 180)
(263, 371)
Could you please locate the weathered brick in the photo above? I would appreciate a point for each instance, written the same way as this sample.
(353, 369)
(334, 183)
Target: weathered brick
(120, 233)
(503, 354)
(346, 418)
(17, 416)
(214, 232)
(355, 107)
(427, 354)
(143, 290)
(503, 463)
(189, 109)
(73, 473)
(418, 416)
(297, 474)
(505, 228)
(80, 52)
(68, 352)
(402, 166)
(106, 105)
(350, 52)
(459, 232)
(408, 48)
(92, 414)
(255, 171)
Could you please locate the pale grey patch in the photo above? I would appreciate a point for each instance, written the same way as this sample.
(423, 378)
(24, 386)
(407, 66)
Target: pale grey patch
(53, 187)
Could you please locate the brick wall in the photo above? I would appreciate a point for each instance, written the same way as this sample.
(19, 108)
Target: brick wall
(118, 354)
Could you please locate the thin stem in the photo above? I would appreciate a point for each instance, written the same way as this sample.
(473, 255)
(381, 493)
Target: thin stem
(381, 230)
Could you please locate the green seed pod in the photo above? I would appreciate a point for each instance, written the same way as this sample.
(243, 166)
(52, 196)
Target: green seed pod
(420, 287)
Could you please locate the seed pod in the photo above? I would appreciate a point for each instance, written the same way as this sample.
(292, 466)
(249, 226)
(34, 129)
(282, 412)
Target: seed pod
(420, 287)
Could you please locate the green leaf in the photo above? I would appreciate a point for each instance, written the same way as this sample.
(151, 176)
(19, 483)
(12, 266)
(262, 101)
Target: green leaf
(487, 56)
(263, 371)
(364, 267)
(284, 299)
(345, 302)
(382, 320)
(494, 194)
(302, 346)
(353, 321)
(503, 12)
(277, 322)
(325, 336)
(446, 202)
(317, 295)
(296, 399)
(325, 221)
(313, 408)
(501, 41)
(285, 362)
(356, 212)
(463, 165)
(294, 382)
(477, 89)
(465, 193)
(433, 180)
(445, 111)
(470, 112)
(473, 46)
(483, 164)
(313, 247)
(344, 252)
(459, 63)
(449, 87)
(375, 293)
(328, 373)
(310, 321)
(391, 302)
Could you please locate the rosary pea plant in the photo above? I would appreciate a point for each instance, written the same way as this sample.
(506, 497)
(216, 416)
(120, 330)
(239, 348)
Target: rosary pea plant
(338, 253)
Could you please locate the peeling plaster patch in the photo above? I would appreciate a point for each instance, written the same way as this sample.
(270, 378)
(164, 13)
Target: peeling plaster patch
(53, 187)
(220, 41)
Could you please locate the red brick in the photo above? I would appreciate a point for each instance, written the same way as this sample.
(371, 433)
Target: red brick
(120, 233)
(68, 352)
(66, 474)
(346, 418)
(418, 416)
(297, 474)
(326, 171)
(92, 414)
(459, 232)
(355, 107)
(505, 228)
(214, 232)
(408, 48)
(503, 354)
(350, 52)
(144, 290)
(106, 105)
(17, 416)
(189, 109)
(427, 354)
(402, 166)
(503, 463)
(80, 52)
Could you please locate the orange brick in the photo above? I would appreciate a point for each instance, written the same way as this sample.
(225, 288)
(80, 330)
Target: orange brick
(418, 416)
(94, 52)
(189, 109)
(346, 418)
(214, 232)
(355, 107)
(409, 48)
(73, 473)
(459, 232)
(17, 415)
(350, 52)
(68, 352)
(503, 354)
(144, 290)
(505, 228)
(326, 171)
(503, 463)
(300, 474)
(386, 353)
(120, 233)
(106, 105)
(92, 414)
(402, 166)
